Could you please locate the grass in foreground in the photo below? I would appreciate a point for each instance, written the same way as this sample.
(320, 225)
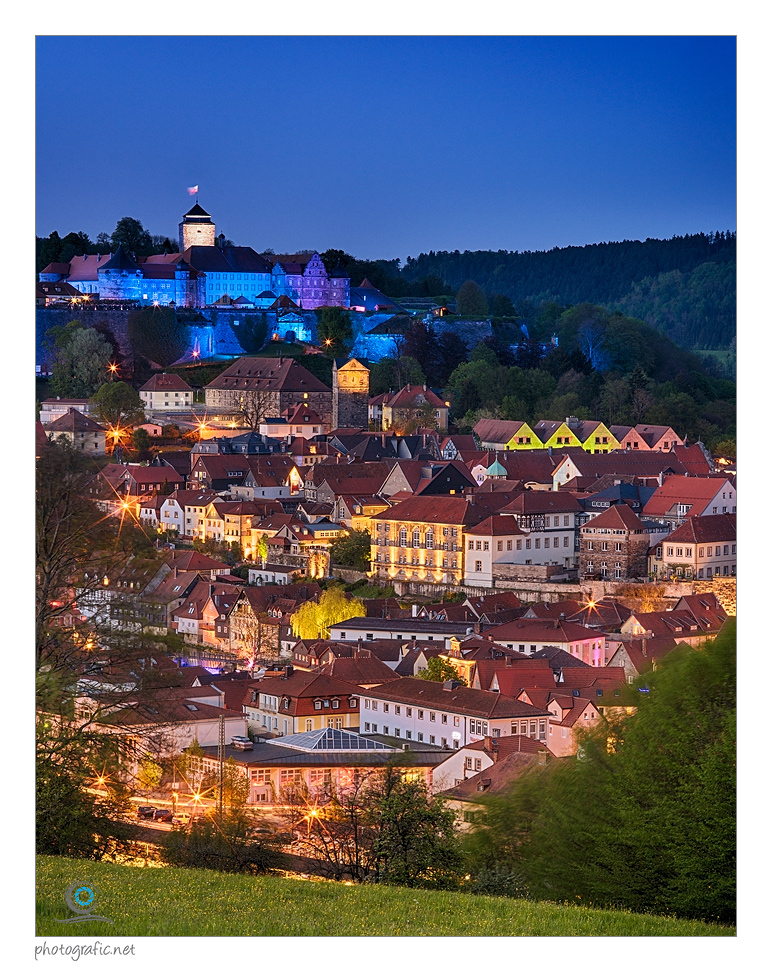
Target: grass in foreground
(176, 901)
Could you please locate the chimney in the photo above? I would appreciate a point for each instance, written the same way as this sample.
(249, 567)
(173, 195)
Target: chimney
(414, 608)
(661, 479)
(509, 661)
(643, 647)
(288, 670)
(477, 628)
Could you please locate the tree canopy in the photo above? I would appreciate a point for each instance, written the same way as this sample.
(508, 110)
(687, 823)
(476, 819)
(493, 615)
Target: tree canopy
(118, 404)
(158, 334)
(645, 818)
(334, 330)
(314, 620)
(81, 356)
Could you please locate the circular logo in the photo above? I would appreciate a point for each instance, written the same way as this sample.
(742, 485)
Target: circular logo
(81, 897)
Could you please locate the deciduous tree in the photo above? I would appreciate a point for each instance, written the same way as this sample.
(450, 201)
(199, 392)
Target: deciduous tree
(158, 334)
(118, 404)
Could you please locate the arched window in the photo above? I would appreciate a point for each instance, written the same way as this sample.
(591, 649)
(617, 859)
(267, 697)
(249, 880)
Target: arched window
(430, 540)
(416, 538)
(403, 537)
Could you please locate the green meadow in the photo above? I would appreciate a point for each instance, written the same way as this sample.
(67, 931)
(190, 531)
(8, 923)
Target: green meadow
(168, 901)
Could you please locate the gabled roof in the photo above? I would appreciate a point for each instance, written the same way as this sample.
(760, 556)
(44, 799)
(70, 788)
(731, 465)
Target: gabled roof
(412, 396)
(616, 517)
(474, 702)
(268, 374)
(497, 430)
(435, 509)
(686, 490)
(702, 529)
(534, 630)
(543, 501)
(74, 421)
(497, 526)
(164, 383)
(363, 668)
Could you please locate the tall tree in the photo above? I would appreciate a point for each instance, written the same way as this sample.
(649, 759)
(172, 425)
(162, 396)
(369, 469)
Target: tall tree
(251, 332)
(471, 300)
(132, 236)
(334, 330)
(81, 357)
(118, 405)
(158, 334)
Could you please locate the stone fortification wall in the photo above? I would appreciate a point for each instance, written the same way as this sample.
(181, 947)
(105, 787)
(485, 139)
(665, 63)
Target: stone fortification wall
(528, 591)
(725, 589)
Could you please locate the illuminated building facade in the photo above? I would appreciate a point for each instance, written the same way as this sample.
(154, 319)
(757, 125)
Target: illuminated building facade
(422, 539)
(203, 273)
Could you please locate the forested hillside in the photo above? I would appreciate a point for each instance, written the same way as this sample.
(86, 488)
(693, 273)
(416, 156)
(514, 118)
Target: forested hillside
(685, 286)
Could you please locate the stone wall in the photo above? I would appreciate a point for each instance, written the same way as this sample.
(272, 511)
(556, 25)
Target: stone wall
(538, 573)
(528, 591)
(725, 589)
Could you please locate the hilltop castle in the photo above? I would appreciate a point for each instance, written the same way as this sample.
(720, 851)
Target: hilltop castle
(203, 274)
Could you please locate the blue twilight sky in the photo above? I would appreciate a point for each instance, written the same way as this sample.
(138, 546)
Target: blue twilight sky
(389, 146)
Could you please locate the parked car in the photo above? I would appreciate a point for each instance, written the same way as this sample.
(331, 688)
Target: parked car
(182, 818)
(164, 815)
(145, 813)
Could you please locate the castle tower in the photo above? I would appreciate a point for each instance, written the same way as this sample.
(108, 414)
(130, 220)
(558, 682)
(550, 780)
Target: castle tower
(196, 229)
(350, 395)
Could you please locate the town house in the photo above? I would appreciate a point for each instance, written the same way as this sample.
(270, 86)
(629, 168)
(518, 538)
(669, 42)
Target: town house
(298, 701)
(423, 538)
(702, 547)
(445, 714)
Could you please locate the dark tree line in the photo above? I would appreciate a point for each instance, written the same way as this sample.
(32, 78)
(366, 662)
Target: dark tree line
(684, 286)
(128, 232)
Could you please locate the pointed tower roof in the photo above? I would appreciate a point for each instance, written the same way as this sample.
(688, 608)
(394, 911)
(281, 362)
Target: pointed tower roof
(340, 271)
(197, 212)
(120, 260)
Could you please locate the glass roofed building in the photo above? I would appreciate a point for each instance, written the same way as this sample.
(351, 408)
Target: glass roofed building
(317, 763)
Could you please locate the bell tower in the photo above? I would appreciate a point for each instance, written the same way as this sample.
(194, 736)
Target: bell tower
(196, 229)
(350, 395)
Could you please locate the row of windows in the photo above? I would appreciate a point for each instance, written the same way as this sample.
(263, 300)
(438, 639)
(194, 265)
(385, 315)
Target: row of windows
(604, 546)
(446, 531)
(373, 727)
(687, 551)
(373, 704)
(485, 545)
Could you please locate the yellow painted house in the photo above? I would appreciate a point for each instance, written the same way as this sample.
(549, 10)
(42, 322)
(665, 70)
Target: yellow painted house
(575, 433)
(498, 434)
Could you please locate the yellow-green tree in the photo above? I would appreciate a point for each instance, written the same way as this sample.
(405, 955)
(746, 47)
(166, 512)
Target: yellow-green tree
(314, 620)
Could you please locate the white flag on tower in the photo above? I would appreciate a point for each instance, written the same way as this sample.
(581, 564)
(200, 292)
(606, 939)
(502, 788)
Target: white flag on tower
(192, 190)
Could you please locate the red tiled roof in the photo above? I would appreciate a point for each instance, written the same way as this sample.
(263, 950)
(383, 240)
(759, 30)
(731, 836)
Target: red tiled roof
(694, 490)
(164, 382)
(543, 501)
(616, 517)
(422, 692)
(268, 374)
(704, 529)
(497, 526)
(534, 630)
(412, 395)
(74, 421)
(434, 509)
